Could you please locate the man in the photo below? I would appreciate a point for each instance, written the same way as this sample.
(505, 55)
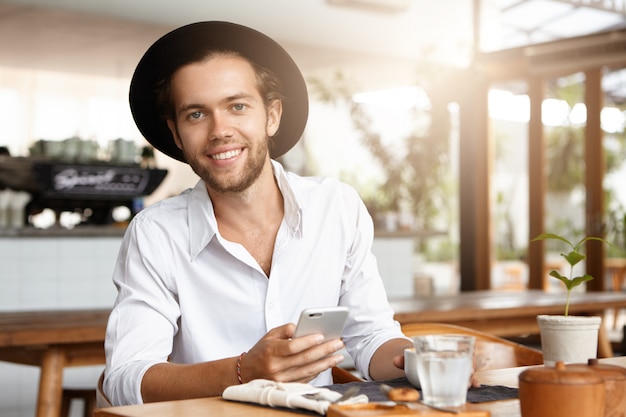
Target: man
(211, 281)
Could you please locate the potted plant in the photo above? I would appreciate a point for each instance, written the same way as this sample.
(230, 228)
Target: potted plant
(570, 339)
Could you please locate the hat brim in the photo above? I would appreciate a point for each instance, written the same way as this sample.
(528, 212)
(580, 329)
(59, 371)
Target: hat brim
(189, 44)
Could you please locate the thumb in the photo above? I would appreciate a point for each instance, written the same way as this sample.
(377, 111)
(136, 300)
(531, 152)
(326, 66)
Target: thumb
(398, 362)
(286, 331)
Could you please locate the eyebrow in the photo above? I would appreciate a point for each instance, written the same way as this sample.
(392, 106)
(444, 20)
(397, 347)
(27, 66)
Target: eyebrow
(234, 97)
(239, 96)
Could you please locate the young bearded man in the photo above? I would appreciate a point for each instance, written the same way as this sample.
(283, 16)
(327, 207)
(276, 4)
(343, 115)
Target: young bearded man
(211, 282)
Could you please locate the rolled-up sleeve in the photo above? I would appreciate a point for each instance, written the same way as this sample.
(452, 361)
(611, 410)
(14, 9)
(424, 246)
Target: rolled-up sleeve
(371, 319)
(143, 321)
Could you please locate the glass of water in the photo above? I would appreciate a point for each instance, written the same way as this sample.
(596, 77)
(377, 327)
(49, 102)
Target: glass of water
(444, 367)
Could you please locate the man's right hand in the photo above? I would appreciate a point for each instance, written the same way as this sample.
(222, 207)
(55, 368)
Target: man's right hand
(280, 357)
(277, 356)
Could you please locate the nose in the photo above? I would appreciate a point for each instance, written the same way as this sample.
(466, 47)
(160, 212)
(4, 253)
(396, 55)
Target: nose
(221, 126)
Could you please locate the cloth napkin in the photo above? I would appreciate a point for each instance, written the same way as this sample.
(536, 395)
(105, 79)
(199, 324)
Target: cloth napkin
(288, 395)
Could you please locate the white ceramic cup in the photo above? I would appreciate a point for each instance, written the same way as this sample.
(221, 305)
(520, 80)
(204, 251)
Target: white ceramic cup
(410, 367)
(444, 367)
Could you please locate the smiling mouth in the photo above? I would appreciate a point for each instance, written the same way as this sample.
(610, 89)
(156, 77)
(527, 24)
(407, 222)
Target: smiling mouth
(226, 155)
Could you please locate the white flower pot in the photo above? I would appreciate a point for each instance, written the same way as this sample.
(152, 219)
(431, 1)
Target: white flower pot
(570, 339)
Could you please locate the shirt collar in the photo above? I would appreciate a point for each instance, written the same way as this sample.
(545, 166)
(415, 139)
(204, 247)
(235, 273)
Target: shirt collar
(293, 205)
(201, 217)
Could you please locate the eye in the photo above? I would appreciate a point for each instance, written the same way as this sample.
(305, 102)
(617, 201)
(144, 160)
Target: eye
(195, 115)
(239, 107)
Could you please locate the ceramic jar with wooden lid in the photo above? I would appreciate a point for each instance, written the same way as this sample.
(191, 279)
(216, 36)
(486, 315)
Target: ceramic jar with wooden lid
(561, 391)
(614, 384)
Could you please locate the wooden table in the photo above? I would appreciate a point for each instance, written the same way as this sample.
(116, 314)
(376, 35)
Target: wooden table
(506, 313)
(53, 340)
(218, 407)
(509, 377)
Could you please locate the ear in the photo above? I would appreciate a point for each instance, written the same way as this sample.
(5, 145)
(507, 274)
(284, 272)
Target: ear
(172, 126)
(274, 111)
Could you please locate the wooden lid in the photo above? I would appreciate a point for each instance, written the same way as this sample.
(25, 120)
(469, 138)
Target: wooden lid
(561, 375)
(606, 371)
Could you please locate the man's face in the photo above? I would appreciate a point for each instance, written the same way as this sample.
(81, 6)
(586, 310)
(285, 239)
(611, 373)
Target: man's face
(221, 123)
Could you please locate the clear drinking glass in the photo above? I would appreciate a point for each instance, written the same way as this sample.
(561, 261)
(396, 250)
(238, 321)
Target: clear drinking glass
(444, 367)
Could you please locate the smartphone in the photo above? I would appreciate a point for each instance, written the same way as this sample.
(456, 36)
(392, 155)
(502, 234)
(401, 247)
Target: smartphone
(328, 321)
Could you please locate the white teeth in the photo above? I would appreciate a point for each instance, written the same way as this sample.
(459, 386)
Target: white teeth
(226, 155)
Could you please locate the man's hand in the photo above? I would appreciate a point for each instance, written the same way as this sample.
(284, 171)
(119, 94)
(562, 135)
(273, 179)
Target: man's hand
(279, 357)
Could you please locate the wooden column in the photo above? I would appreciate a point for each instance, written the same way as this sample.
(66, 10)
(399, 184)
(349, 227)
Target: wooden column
(594, 174)
(475, 169)
(536, 183)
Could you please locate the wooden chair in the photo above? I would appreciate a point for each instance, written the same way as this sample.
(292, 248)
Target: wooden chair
(342, 375)
(87, 396)
(490, 352)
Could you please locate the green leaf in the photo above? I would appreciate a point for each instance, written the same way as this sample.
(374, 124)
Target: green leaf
(556, 274)
(544, 236)
(573, 257)
(579, 280)
(599, 239)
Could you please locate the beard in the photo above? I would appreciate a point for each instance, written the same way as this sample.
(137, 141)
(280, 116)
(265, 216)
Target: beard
(232, 182)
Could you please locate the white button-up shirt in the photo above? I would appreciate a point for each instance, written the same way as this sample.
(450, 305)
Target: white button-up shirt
(187, 294)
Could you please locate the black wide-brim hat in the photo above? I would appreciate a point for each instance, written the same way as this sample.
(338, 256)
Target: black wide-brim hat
(189, 44)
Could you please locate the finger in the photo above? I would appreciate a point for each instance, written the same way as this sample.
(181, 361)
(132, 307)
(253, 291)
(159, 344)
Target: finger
(305, 372)
(311, 349)
(327, 348)
(285, 331)
(398, 361)
(275, 358)
(313, 360)
(474, 383)
(302, 343)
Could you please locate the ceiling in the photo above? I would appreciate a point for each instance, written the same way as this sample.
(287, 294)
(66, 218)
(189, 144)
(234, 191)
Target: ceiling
(316, 23)
(108, 37)
(524, 22)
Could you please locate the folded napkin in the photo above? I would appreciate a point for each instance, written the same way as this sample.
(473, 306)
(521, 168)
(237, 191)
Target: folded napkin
(288, 395)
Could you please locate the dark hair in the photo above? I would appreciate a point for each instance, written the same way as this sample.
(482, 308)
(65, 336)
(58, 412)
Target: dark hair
(268, 84)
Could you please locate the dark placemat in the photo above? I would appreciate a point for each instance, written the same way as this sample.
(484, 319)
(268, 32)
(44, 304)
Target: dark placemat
(481, 394)
(371, 389)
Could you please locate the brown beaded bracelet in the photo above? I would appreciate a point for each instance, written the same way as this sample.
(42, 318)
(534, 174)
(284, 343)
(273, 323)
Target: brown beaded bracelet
(239, 367)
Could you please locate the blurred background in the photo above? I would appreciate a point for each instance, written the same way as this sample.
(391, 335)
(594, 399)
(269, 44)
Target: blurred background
(465, 125)
(385, 80)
